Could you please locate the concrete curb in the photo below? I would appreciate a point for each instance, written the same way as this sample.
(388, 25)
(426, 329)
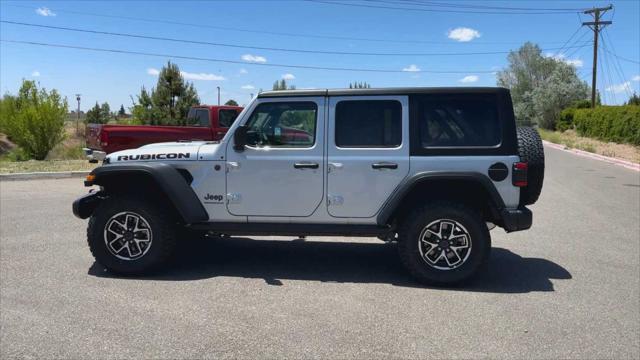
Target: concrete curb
(43, 175)
(624, 163)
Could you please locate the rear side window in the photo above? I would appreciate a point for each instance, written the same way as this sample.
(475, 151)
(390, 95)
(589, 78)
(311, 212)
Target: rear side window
(460, 121)
(226, 117)
(198, 117)
(368, 123)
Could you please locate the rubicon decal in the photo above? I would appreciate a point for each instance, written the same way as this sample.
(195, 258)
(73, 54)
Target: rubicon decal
(154, 156)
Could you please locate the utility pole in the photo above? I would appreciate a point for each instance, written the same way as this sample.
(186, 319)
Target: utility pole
(218, 87)
(78, 115)
(596, 26)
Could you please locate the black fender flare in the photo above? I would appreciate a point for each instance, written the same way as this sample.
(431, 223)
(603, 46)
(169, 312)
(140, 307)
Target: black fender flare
(409, 183)
(167, 178)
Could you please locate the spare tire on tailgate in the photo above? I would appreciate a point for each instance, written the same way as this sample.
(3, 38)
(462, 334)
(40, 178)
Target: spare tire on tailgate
(531, 151)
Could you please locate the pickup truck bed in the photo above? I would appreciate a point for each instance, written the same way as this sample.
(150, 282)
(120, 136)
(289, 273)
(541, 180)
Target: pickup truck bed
(209, 123)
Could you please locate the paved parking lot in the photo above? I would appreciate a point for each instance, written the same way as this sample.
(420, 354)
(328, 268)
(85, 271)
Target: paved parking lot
(568, 288)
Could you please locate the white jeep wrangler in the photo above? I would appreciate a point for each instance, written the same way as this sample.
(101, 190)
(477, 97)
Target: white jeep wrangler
(431, 168)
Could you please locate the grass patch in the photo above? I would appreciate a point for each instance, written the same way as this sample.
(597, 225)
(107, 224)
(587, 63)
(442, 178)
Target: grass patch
(11, 167)
(571, 139)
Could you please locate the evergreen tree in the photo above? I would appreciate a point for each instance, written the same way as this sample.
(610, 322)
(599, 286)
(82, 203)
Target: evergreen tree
(169, 102)
(98, 114)
(359, 85)
(282, 85)
(121, 112)
(634, 99)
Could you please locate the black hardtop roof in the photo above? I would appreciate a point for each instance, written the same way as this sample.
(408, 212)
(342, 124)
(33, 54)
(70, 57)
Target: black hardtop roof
(383, 91)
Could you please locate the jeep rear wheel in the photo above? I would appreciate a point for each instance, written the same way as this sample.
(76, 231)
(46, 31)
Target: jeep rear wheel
(129, 235)
(443, 243)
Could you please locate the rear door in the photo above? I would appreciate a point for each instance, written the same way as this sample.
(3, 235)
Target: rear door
(368, 152)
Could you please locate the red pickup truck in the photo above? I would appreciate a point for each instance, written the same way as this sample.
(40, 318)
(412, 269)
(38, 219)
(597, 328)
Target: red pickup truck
(204, 122)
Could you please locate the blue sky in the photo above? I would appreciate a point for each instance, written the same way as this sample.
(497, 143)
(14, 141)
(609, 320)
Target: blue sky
(111, 77)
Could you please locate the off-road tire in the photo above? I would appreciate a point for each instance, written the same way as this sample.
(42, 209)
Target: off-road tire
(409, 238)
(163, 227)
(531, 151)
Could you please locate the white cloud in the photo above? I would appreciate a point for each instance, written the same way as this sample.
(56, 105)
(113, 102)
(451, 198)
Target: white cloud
(248, 87)
(625, 86)
(411, 68)
(562, 57)
(469, 79)
(43, 11)
(463, 34)
(243, 71)
(201, 76)
(636, 78)
(190, 76)
(35, 73)
(254, 58)
(288, 76)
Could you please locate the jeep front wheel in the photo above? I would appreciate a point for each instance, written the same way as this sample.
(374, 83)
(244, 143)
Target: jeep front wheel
(129, 235)
(443, 243)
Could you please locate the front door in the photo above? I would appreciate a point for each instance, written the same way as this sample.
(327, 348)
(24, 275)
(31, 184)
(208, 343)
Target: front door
(280, 172)
(368, 152)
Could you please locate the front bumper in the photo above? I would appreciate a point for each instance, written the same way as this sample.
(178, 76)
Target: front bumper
(94, 155)
(84, 206)
(516, 219)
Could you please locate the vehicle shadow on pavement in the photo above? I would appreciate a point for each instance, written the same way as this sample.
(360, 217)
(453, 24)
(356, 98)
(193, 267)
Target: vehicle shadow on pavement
(277, 261)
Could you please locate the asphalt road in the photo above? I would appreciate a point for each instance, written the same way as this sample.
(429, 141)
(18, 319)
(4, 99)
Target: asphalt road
(568, 288)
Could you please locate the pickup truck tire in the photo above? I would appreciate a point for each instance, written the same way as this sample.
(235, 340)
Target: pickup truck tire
(130, 235)
(443, 243)
(531, 151)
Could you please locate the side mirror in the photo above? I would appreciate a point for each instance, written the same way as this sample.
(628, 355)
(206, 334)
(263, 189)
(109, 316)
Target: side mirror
(240, 138)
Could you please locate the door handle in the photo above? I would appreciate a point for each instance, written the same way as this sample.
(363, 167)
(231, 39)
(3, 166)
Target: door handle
(306, 165)
(384, 165)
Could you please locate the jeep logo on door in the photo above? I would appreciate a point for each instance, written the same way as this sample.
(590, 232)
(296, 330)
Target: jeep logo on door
(154, 156)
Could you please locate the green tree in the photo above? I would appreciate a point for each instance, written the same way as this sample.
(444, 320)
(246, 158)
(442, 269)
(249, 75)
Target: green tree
(359, 85)
(231, 102)
(34, 119)
(99, 114)
(282, 85)
(169, 102)
(122, 112)
(634, 99)
(540, 86)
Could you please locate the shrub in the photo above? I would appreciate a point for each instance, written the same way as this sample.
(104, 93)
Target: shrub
(34, 119)
(565, 119)
(619, 124)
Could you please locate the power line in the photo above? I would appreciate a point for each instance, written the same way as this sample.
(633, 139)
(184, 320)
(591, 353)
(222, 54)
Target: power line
(617, 64)
(294, 66)
(469, 6)
(438, 10)
(616, 70)
(571, 37)
(431, 4)
(259, 31)
(148, 37)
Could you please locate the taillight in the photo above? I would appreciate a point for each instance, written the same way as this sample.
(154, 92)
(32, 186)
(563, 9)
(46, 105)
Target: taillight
(104, 138)
(519, 177)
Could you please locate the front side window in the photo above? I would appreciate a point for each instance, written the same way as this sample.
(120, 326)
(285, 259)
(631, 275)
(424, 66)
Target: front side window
(368, 123)
(198, 117)
(283, 124)
(458, 122)
(226, 117)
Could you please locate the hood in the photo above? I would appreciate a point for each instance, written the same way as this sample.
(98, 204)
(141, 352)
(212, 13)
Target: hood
(168, 151)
